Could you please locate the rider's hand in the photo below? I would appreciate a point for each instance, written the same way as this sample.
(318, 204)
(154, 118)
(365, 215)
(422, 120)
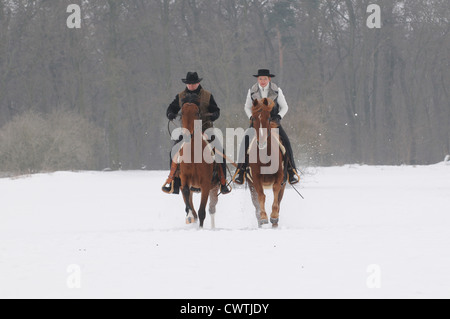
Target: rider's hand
(171, 116)
(276, 119)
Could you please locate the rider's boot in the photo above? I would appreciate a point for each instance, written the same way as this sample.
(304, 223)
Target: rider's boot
(224, 189)
(294, 177)
(239, 177)
(173, 184)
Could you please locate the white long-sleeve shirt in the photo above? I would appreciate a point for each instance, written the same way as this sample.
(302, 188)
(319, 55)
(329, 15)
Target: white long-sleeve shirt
(284, 108)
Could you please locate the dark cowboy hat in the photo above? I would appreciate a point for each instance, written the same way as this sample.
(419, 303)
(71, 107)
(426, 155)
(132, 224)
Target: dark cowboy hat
(264, 72)
(192, 78)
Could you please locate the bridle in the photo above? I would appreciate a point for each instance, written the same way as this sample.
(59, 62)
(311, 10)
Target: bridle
(198, 115)
(253, 124)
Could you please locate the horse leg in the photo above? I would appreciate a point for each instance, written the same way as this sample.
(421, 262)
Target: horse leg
(189, 214)
(202, 210)
(191, 203)
(213, 200)
(280, 198)
(255, 203)
(262, 204)
(274, 218)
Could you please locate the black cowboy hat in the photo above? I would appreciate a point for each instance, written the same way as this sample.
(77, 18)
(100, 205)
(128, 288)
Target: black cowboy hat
(192, 78)
(264, 72)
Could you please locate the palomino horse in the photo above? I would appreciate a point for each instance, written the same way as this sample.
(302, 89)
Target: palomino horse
(265, 138)
(196, 177)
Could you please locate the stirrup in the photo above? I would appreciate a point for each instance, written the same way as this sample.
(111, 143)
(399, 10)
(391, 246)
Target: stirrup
(227, 190)
(247, 175)
(168, 187)
(238, 172)
(293, 173)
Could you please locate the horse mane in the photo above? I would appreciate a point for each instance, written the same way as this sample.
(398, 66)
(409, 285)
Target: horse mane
(265, 105)
(191, 98)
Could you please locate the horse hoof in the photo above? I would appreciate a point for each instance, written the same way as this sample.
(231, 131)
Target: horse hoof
(263, 222)
(274, 221)
(190, 218)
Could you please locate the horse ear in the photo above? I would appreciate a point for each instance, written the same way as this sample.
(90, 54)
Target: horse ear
(255, 102)
(266, 102)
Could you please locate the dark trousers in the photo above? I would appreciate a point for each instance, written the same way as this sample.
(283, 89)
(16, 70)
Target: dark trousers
(287, 144)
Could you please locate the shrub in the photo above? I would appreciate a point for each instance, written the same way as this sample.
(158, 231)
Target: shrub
(62, 140)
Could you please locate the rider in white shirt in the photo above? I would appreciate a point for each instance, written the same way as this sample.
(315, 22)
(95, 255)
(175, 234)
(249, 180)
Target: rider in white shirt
(266, 89)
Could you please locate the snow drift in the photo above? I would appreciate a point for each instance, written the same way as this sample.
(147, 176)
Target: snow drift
(129, 239)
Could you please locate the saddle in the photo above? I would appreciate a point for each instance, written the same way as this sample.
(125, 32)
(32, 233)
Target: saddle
(217, 168)
(282, 149)
(277, 138)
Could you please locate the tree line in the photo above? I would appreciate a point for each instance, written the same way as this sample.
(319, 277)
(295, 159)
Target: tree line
(356, 94)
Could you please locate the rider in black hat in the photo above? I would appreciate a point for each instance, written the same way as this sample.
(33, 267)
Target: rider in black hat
(210, 112)
(265, 88)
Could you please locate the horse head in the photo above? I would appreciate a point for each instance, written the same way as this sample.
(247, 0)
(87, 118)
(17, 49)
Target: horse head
(261, 120)
(190, 112)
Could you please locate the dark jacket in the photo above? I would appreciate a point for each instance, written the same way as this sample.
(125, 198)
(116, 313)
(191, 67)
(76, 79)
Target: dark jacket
(175, 106)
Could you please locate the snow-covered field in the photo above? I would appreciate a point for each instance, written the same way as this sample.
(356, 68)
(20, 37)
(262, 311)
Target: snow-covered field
(117, 235)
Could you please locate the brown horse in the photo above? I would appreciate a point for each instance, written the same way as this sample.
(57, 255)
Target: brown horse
(262, 144)
(196, 177)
